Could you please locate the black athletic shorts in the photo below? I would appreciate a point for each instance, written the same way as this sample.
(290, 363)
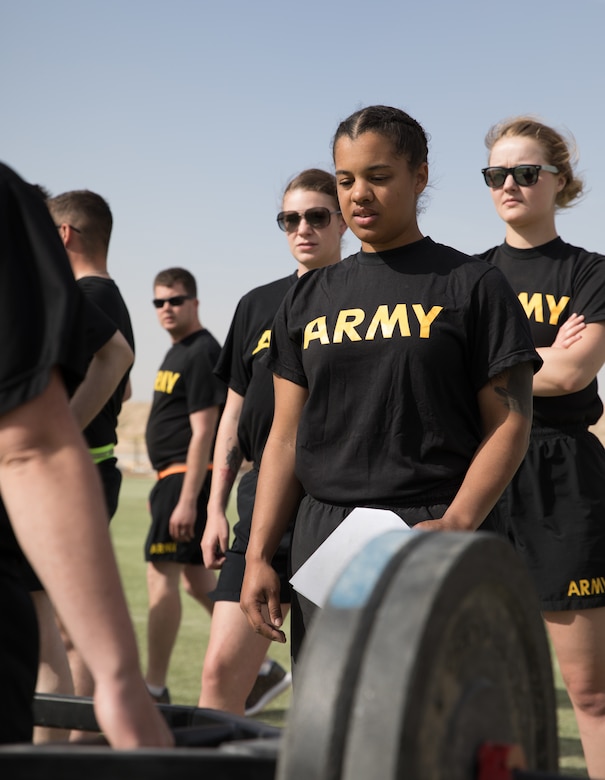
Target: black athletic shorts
(229, 585)
(314, 523)
(159, 545)
(18, 655)
(555, 517)
(111, 480)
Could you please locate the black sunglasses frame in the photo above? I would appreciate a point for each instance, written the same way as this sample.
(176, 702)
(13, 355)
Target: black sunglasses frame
(318, 217)
(516, 173)
(175, 300)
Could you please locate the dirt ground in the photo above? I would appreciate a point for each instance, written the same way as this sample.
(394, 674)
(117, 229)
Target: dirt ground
(599, 429)
(131, 450)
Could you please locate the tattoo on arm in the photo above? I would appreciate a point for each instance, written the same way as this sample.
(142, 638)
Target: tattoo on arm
(514, 388)
(234, 460)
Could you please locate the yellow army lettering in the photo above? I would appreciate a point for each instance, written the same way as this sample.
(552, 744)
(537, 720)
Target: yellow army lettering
(535, 306)
(160, 548)
(586, 587)
(165, 381)
(349, 322)
(263, 342)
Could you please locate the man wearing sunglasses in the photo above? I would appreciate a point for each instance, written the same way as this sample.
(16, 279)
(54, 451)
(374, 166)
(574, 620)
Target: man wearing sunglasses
(84, 221)
(187, 402)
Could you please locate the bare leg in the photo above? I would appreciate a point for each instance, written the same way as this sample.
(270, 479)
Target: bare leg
(163, 620)
(54, 675)
(198, 581)
(83, 682)
(233, 658)
(578, 638)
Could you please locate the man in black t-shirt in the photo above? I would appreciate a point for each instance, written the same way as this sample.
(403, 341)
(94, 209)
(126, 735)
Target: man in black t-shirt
(85, 222)
(110, 356)
(180, 435)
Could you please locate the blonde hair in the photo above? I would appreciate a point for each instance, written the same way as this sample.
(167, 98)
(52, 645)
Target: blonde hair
(559, 150)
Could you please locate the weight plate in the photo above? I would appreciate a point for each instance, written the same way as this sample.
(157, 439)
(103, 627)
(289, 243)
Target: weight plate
(313, 743)
(457, 656)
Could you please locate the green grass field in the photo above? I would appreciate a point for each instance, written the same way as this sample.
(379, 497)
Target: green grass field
(129, 528)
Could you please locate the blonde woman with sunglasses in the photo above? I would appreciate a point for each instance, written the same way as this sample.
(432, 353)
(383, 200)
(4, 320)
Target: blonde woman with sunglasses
(557, 498)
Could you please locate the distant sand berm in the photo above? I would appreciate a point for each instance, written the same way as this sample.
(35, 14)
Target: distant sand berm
(131, 450)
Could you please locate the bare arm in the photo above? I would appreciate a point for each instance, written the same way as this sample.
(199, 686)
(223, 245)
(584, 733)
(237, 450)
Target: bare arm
(569, 332)
(44, 463)
(505, 405)
(226, 464)
(572, 369)
(105, 371)
(203, 427)
(277, 495)
(127, 391)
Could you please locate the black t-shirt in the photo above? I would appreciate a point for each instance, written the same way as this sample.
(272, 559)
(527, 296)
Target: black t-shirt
(393, 348)
(184, 384)
(41, 308)
(106, 295)
(44, 318)
(240, 366)
(552, 282)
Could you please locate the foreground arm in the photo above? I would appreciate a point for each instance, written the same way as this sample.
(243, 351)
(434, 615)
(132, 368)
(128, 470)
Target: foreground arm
(203, 428)
(505, 405)
(104, 374)
(277, 496)
(44, 464)
(227, 460)
(571, 369)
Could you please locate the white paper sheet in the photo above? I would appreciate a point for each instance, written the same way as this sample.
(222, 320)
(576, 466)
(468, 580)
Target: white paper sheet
(316, 577)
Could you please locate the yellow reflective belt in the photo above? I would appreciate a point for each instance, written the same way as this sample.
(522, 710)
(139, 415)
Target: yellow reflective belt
(99, 454)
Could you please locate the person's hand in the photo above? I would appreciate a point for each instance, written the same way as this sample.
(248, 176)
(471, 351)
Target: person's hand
(260, 600)
(182, 523)
(440, 524)
(569, 332)
(127, 714)
(215, 540)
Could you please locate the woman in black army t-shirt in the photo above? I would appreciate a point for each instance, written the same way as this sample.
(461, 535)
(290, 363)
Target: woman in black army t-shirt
(557, 498)
(403, 374)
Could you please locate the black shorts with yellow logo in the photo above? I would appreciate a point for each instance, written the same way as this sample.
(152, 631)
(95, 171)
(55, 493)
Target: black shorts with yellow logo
(556, 517)
(229, 584)
(159, 545)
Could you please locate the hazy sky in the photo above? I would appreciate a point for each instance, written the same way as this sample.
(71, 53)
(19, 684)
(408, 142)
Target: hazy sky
(190, 117)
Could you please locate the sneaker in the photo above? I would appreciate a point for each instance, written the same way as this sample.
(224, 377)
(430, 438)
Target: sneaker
(161, 698)
(269, 684)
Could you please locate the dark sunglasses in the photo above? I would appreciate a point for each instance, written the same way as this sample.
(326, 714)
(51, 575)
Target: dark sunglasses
(317, 218)
(176, 300)
(524, 175)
